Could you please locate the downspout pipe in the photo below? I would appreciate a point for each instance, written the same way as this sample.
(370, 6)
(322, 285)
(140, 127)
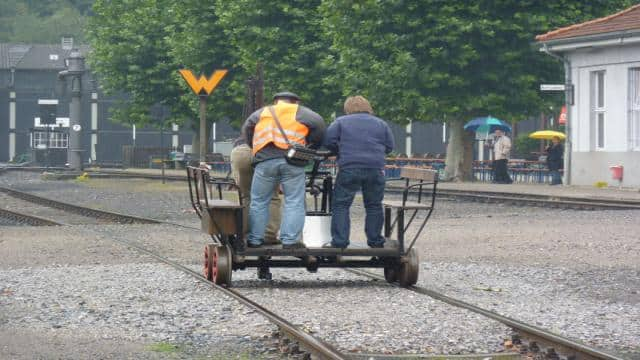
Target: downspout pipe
(567, 81)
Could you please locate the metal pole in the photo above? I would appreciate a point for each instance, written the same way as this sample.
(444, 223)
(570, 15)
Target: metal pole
(213, 135)
(569, 103)
(74, 157)
(407, 144)
(203, 127)
(46, 153)
(162, 150)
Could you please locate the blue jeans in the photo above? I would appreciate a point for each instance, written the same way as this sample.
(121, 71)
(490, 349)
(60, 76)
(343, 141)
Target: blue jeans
(555, 177)
(348, 182)
(266, 176)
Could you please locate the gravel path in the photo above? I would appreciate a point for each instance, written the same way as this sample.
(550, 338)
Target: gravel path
(575, 272)
(342, 308)
(65, 294)
(599, 306)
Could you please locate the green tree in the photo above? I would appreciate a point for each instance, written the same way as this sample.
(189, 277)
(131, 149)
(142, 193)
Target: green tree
(286, 37)
(130, 55)
(42, 21)
(427, 59)
(198, 43)
(138, 47)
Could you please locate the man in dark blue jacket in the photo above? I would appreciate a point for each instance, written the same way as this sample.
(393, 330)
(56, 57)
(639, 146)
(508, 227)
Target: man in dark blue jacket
(361, 142)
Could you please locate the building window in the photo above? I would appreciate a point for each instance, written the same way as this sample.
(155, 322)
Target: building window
(57, 140)
(633, 108)
(598, 108)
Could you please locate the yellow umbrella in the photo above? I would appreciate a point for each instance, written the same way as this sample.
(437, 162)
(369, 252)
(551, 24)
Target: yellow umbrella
(547, 135)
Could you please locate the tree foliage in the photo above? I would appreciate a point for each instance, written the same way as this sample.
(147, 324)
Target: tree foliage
(43, 22)
(286, 37)
(428, 59)
(130, 54)
(416, 60)
(198, 43)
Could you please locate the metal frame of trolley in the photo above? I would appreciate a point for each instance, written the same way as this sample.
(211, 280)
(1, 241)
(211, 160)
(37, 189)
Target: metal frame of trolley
(222, 218)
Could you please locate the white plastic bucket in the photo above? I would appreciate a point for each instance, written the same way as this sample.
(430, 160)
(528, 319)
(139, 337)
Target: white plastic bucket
(317, 230)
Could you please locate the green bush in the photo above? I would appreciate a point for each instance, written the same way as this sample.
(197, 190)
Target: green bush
(523, 146)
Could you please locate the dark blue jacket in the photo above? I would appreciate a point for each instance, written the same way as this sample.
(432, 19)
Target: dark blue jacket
(360, 140)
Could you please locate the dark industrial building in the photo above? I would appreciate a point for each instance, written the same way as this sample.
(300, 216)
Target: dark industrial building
(29, 74)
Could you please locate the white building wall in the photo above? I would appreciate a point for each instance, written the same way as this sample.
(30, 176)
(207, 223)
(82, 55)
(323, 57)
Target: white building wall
(588, 163)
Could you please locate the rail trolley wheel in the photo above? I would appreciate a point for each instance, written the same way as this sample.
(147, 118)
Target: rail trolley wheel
(217, 264)
(408, 269)
(207, 269)
(391, 273)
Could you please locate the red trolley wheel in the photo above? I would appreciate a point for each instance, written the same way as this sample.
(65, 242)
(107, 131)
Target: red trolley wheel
(217, 264)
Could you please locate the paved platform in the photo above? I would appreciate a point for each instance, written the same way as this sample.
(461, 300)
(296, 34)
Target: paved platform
(517, 188)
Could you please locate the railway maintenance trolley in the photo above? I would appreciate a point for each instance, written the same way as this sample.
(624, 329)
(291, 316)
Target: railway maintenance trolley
(222, 216)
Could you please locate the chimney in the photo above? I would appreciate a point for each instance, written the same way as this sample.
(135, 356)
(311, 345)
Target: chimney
(67, 43)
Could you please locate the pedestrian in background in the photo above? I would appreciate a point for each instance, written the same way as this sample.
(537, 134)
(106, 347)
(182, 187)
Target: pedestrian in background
(242, 172)
(301, 126)
(501, 154)
(555, 153)
(361, 142)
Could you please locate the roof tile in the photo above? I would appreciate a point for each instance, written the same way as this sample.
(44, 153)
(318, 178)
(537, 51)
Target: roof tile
(35, 57)
(628, 19)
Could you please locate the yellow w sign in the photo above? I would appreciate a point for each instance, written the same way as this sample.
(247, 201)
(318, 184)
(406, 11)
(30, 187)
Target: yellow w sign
(202, 83)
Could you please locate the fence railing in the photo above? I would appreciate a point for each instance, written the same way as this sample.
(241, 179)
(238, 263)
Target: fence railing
(521, 171)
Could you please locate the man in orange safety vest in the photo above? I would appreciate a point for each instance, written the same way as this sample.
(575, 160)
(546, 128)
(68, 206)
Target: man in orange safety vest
(300, 125)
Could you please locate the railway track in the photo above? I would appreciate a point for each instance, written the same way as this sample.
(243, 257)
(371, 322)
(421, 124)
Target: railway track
(15, 218)
(104, 216)
(534, 339)
(529, 339)
(564, 202)
(547, 201)
(312, 344)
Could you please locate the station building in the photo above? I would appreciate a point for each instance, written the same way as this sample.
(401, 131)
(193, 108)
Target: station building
(602, 61)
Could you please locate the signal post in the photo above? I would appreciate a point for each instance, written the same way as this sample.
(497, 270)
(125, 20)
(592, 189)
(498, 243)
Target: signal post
(203, 87)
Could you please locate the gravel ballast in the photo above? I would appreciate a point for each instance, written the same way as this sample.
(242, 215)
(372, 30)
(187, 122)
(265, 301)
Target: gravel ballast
(574, 272)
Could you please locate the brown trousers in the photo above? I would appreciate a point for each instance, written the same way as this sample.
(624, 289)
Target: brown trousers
(243, 174)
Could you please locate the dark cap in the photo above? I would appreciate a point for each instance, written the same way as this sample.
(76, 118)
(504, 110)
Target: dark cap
(286, 95)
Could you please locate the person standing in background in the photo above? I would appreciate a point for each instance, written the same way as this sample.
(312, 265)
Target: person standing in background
(501, 154)
(555, 152)
(242, 172)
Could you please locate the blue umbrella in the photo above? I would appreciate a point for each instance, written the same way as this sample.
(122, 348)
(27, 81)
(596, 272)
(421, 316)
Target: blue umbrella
(487, 124)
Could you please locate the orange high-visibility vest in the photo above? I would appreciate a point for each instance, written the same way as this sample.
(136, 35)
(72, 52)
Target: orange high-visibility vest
(267, 131)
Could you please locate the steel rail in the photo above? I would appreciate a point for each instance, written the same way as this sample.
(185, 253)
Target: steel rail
(582, 351)
(482, 196)
(310, 342)
(542, 200)
(27, 219)
(82, 210)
